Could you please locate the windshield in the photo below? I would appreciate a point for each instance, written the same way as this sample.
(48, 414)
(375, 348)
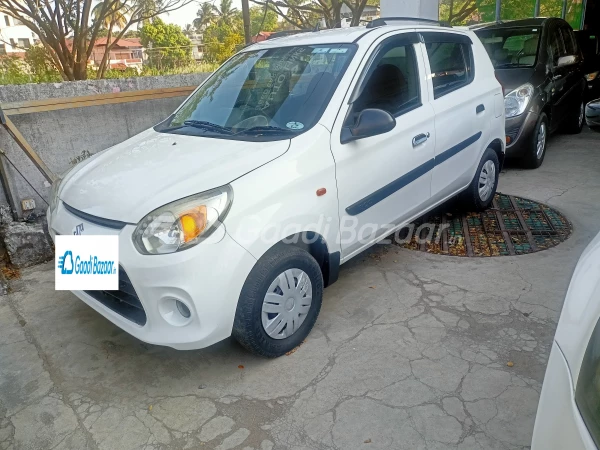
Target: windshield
(265, 94)
(511, 47)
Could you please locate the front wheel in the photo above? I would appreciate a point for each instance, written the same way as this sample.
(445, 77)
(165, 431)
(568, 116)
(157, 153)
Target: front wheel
(279, 303)
(535, 150)
(480, 193)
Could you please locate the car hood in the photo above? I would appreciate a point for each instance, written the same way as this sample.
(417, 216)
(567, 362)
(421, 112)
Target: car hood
(512, 78)
(131, 179)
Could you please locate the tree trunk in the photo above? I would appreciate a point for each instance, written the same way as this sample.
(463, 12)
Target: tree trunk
(106, 56)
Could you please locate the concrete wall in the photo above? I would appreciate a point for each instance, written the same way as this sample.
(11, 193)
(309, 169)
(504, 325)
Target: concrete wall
(61, 136)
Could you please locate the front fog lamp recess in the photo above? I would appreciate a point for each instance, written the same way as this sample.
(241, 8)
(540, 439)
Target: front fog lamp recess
(183, 310)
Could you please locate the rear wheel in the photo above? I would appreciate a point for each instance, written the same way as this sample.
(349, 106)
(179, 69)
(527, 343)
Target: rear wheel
(574, 123)
(279, 303)
(535, 151)
(480, 193)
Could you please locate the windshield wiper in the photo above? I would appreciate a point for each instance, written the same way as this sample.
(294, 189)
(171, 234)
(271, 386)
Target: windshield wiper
(266, 130)
(207, 126)
(511, 64)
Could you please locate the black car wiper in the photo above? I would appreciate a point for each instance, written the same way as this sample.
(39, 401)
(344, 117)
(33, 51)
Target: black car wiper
(511, 64)
(266, 130)
(207, 126)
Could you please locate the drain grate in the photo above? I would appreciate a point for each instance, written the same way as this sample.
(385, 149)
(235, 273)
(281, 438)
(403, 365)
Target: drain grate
(512, 226)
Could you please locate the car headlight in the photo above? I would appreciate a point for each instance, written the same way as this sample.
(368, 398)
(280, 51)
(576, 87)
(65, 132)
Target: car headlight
(516, 101)
(182, 224)
(592, 76)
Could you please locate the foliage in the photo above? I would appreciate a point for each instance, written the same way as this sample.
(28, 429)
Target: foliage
(166, 45)
(222, 40)
(307, 14)
(40, 65)
(13, 70)
(204, 16)
(257, 14)
(67, 31)
(226, 14)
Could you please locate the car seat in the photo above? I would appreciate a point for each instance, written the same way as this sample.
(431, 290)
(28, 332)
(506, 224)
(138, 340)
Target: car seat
(528, 55)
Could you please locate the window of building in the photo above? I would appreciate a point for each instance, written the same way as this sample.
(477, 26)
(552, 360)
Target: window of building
(7, 21)
(13, 44)
(451, 66)
(17, 22)
(24, 43)
(2, 49)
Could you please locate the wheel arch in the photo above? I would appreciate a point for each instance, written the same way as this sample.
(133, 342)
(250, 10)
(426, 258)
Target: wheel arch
(316, 245)
(498, 146)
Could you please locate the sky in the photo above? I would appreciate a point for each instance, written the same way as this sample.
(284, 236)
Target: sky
(187, 14)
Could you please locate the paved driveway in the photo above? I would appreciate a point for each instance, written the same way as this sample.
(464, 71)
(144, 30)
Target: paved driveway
(410, 352)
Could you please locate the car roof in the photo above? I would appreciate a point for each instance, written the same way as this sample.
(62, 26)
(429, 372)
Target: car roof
(344, 35)
(531, 22)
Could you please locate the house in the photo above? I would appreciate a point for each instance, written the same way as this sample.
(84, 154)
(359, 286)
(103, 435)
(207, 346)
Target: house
(15, 37)
(124, 54)
(261, 36)
(197, 46)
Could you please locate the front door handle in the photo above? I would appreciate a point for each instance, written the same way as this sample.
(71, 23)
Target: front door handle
(420, 138)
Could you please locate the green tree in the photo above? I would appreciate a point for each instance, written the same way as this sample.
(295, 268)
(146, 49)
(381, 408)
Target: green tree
(257, 14)
(40, 65)
(66, 29)
(116, 18)
(221, 41)
(166, 45)
(226, 14)
(204, 16)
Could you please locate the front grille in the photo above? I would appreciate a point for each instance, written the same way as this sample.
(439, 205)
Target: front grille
(124, 301)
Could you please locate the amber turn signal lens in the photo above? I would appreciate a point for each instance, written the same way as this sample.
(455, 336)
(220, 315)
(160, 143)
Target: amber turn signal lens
(508, 140)
(193, 222)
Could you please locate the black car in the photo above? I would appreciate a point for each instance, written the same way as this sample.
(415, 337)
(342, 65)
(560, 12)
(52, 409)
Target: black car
(540, 66)
(592, 114)
(589, 42)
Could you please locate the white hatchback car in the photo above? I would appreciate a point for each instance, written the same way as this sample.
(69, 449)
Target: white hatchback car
(568, 415)
(297, 154)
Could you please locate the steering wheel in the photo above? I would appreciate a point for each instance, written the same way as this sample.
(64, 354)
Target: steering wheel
(252, 117)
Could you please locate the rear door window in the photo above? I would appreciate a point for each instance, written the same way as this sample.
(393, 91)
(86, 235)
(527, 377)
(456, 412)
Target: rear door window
(451, 66)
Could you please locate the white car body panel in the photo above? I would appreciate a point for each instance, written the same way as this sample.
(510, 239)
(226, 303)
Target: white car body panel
(274, 189)
(559, 424)
(158, 168)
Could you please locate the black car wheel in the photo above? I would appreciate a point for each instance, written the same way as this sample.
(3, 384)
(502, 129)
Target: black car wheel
(574, 123)
(279, 303)
(535, 151)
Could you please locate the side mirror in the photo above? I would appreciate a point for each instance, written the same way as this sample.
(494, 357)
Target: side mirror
(566, 60)
(371, 122)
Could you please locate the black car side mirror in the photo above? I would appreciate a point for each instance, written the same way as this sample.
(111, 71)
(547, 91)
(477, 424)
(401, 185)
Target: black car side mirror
(371, 122)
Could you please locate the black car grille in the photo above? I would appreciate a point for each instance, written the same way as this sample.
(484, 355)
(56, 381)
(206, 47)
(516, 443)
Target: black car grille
(124, 301)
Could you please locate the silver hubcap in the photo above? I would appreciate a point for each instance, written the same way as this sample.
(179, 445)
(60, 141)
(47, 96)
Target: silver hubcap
(541, 140)
(581, 114)
(286, 303)
(487, 180)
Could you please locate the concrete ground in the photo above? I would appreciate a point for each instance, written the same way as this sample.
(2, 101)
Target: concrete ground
(410, 352)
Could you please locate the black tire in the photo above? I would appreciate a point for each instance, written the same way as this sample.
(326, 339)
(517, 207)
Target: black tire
(248, 328)
(532, 159)
(574, 123)
(470, 198)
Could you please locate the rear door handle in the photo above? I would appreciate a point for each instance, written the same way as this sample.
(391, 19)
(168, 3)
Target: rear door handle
(420, 138)
(480, 109)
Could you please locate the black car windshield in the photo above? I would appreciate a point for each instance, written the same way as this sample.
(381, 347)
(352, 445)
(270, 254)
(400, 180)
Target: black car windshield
(266, 94)
(511, 47)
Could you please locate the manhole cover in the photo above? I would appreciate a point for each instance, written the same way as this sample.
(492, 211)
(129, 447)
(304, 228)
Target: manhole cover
(512, 226)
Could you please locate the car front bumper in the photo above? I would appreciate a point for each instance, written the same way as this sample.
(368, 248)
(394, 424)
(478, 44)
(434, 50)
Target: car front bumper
(592, 114)
(207, 278)
(520, 129)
